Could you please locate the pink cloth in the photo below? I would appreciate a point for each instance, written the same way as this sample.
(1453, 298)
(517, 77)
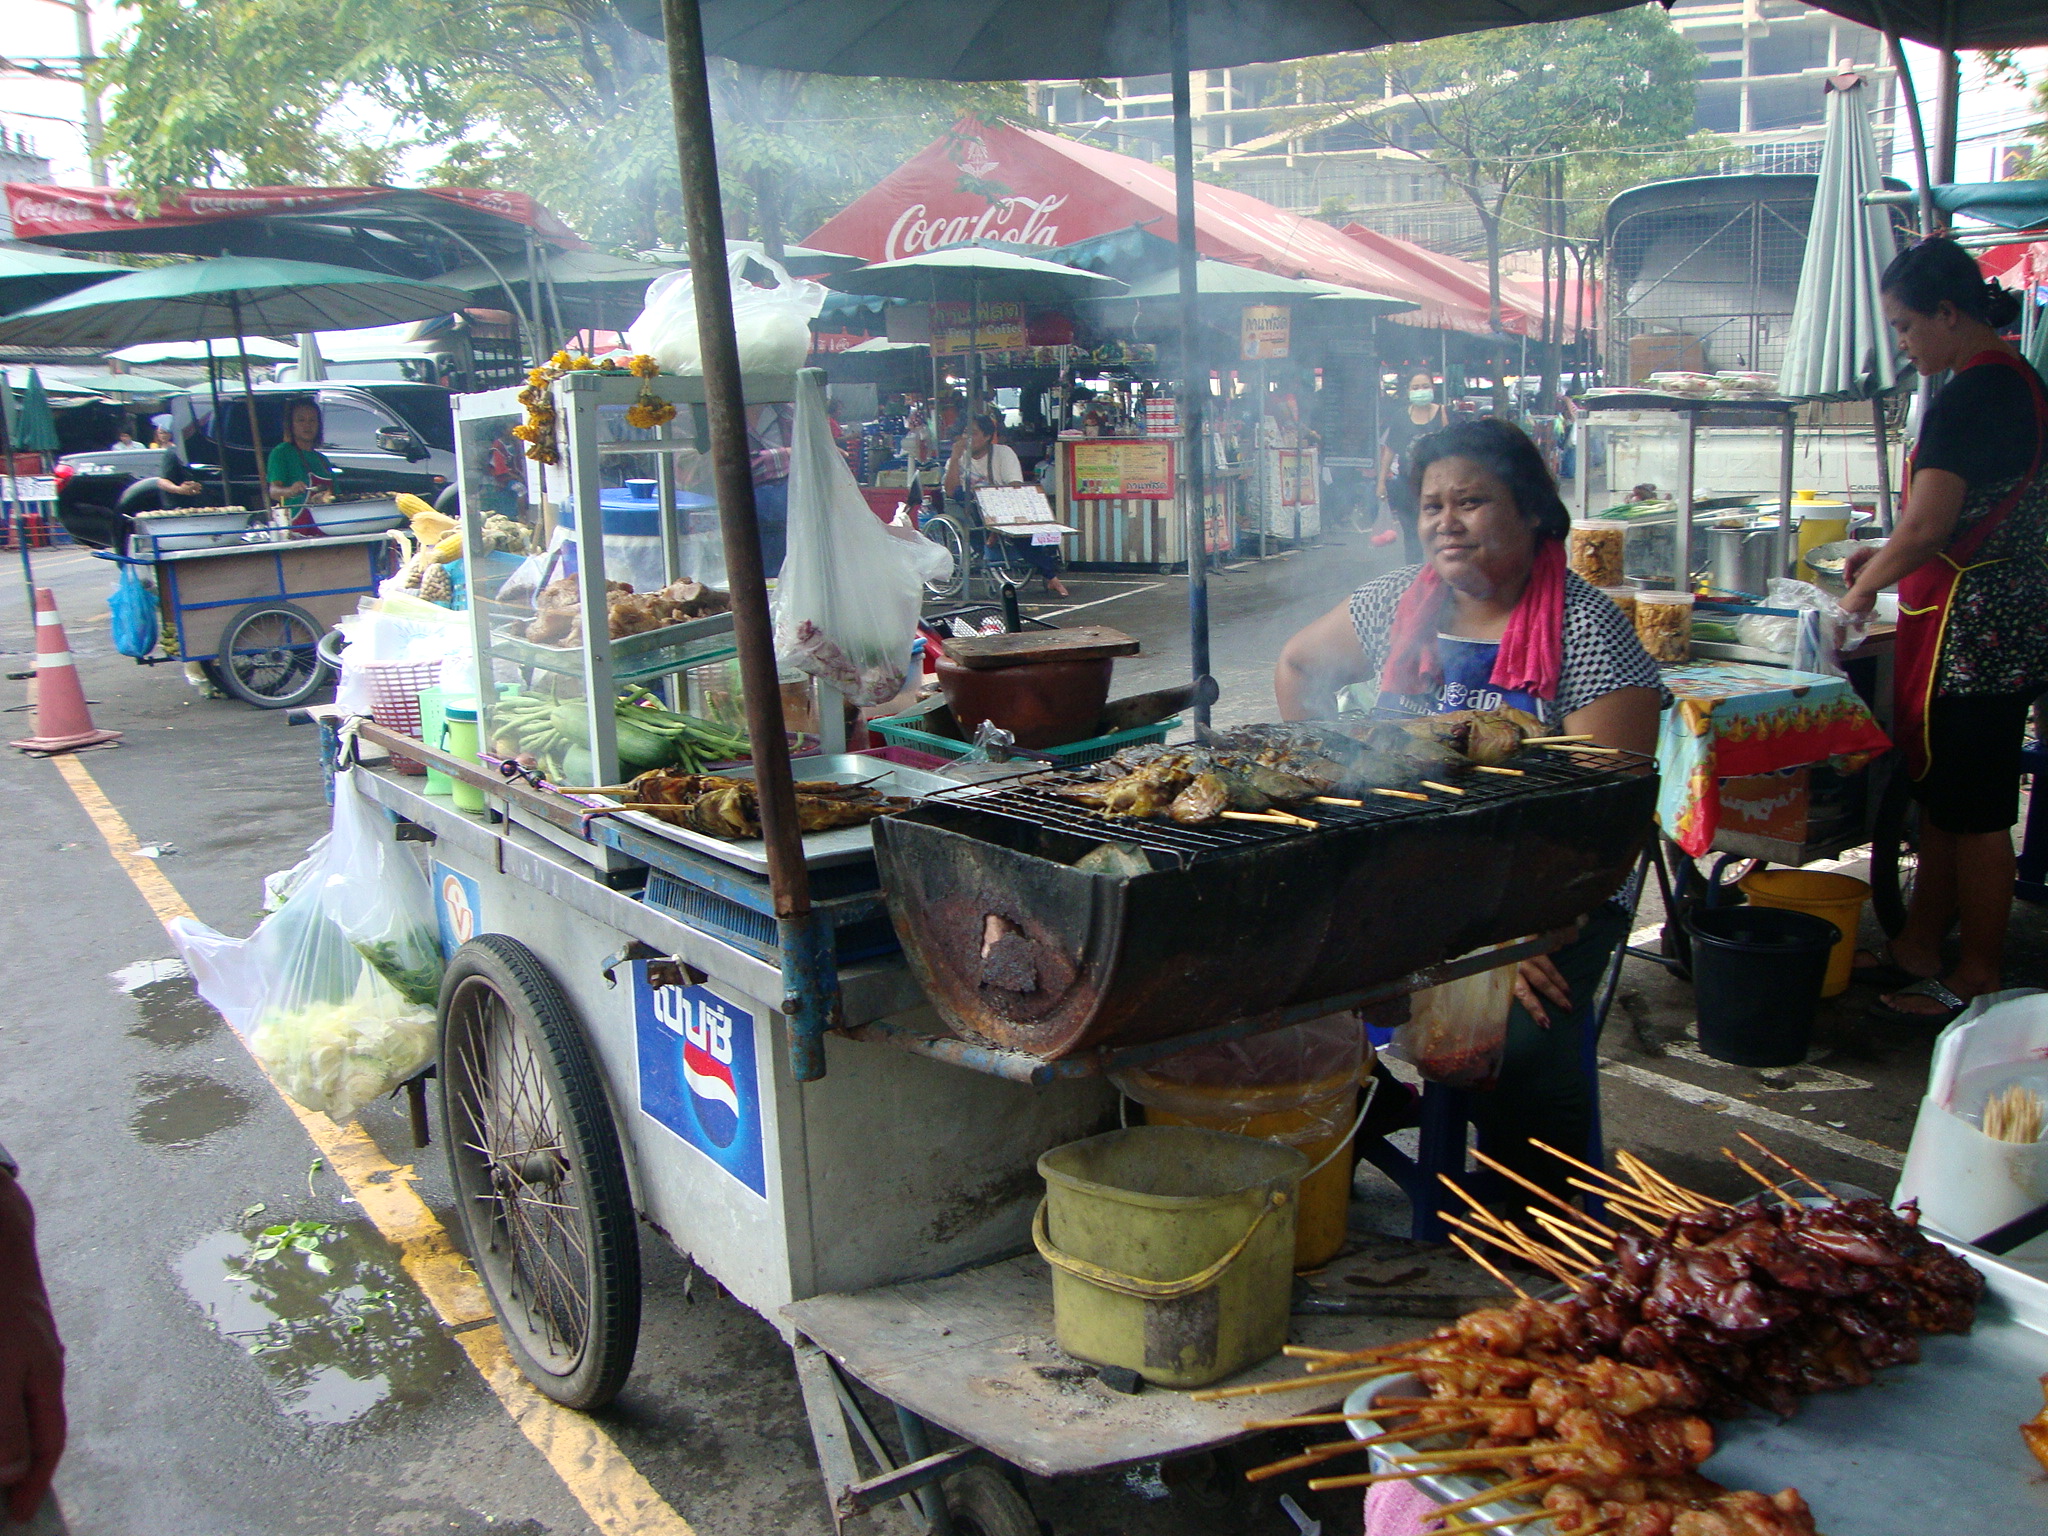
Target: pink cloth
(1531, 658)
(1399, 1509)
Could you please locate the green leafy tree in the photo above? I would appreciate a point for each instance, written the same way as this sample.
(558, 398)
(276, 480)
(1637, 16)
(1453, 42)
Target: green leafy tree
(561, 100)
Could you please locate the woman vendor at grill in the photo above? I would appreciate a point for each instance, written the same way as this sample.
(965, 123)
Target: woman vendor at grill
(1492, 617)
(1970, 556)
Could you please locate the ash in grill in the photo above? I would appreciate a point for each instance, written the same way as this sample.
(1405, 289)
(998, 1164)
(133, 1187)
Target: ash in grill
(1017, 946)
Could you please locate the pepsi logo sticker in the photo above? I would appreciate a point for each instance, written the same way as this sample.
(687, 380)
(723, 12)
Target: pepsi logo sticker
(456, 901)
(697, 1074)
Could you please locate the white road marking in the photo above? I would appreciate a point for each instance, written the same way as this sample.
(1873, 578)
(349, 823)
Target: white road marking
(1811, 1079)
(1113, 597)
(1756, 1114)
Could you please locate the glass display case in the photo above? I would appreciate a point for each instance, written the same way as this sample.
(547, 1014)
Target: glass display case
(549, 682)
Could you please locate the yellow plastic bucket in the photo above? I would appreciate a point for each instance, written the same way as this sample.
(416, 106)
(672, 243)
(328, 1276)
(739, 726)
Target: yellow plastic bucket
(1319, 1129)
(1838, 898)
(1172, 1250)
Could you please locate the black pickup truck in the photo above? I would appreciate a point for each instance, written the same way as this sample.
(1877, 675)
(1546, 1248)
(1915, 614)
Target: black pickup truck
(382, 436)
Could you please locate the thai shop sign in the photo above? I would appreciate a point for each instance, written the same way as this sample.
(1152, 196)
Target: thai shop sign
(1265, 331)
(955, 331)
(1115, 470)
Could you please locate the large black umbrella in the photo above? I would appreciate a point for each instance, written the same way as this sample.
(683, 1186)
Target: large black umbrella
(967, 40)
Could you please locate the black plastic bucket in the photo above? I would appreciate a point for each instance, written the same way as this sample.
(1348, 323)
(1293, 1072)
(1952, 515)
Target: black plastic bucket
(1756, 976)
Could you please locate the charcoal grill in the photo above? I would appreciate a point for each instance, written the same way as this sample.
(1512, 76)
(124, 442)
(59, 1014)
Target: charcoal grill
(1018, 948)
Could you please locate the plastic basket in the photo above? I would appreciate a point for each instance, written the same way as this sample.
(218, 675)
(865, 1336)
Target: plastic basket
(897, 733)
(395, 688)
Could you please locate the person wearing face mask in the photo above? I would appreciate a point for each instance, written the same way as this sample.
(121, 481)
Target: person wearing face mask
(1422, 416)
(1493, 618)
(1968, 558)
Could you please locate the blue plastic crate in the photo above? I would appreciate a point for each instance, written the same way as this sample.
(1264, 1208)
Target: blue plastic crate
(898, 732)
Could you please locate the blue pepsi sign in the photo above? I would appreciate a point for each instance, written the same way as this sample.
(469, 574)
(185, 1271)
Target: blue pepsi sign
(697, 1074)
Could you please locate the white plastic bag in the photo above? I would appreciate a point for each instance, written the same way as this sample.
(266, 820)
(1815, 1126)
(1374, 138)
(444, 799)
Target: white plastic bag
(847, 603)
(1814, 638)
(328, 1027)
(772, 325)
(933, 561)
(1967, 1183)
(1457, 1032)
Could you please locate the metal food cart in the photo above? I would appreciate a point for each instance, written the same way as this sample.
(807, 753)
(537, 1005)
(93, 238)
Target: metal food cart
(251, 606)
(627, 1031)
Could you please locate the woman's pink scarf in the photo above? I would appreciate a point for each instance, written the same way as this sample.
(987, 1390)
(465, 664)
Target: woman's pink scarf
(1531, 657)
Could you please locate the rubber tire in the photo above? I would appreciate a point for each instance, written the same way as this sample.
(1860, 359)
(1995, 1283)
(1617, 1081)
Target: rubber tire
(945, 533)
(319, 677)
(1005, 564)
(1893, 838)
(983, 1502)
(570, 1076)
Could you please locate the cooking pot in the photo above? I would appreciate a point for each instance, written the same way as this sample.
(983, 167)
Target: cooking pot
(1041, 703)
(1743, 558)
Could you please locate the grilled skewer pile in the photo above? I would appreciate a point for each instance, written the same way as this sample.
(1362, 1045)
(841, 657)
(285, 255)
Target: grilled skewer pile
(1592, 1403)
(731, 808)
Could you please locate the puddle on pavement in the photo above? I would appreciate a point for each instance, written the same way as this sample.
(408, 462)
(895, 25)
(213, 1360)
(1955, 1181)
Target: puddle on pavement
(168, 1009)
(332, 1347)
(182, 1110)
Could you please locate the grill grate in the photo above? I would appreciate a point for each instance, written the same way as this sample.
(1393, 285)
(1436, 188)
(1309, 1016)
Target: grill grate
(1028, 800)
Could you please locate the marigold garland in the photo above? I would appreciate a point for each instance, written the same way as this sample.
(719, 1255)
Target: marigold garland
(538, 430)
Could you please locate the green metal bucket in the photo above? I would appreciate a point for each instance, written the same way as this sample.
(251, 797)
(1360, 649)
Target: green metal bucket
(1172, 1249)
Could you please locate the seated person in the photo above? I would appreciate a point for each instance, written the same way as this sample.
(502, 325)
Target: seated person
(978, 460)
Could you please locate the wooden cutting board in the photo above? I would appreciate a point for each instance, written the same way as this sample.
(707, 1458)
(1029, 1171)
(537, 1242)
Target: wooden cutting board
(980, 653)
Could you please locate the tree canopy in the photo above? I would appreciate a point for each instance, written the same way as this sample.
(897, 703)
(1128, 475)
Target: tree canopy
(561, 100)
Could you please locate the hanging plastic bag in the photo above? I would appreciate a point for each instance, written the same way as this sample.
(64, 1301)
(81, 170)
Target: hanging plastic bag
(133, 612)
(314, 1006)
(933, 561)
(380, 900)
(847, 603)
(1457, 1033)
(771, 325)
(1969, 1184)
(1814, 636)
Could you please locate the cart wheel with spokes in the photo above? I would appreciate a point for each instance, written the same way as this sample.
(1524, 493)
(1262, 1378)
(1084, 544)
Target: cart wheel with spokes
(946, 533)
(1894, 853)
(269, 656)
(983, 1502)
(541, 1183)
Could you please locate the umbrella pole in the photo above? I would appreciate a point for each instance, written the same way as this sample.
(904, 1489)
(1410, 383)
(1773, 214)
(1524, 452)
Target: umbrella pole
(255, 427)
(10, 503)
(1916, 128)
(810, 980)
(1884, 468)
(1194, 380)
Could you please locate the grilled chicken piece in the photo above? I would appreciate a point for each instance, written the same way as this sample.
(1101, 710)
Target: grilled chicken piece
(1206, 798)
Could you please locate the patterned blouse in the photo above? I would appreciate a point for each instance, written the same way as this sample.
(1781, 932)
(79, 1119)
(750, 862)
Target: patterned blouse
(1601, 651)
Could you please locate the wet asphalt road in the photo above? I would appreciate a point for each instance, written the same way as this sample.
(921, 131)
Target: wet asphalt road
(216, 1391)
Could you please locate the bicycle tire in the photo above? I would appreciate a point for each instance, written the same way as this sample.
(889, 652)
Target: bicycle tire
(949, 536)
(273, 667)
(523, 1109)
(1894, 854)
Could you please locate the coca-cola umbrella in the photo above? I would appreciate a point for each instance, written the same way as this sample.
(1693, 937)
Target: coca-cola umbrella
(970, 275)
(227, 296)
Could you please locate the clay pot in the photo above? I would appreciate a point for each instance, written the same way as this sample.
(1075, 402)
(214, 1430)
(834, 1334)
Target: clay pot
(1041, 703)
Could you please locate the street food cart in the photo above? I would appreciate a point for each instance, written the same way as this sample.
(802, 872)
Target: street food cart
(250, 604)
(842, 1129)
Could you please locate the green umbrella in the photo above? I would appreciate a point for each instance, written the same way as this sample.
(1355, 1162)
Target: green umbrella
(30, 277)
(97, 381)
(35, 426)
(227, 296)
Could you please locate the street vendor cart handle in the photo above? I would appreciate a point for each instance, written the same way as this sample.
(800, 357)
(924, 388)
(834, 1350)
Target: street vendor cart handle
(1131, 1285)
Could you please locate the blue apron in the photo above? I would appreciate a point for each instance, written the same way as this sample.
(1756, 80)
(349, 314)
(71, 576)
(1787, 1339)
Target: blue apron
(1467, 684)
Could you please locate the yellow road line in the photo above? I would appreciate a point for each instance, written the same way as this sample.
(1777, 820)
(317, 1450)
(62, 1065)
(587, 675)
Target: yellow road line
(618, 1500)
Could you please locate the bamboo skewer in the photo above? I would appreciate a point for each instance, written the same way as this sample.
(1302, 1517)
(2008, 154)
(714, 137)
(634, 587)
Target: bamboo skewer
(1356, 805)
(1563, 1234)
(1304, 1352)
(1527, 1255)
(1558, 746)
(1366, 1479)
(1620, 1186)
(1295, 1383)
(1527, 1245)
(1377, 1351)
(1678, 1192)
(1315, 1455)
(1536, 1189)
(1758, 1176)
(1510, 773)
(1398, 794)
(1516, 1490)
(1423, 1431)
(1409, 1405)
(1787, 1164)
(590, 789)
(1552, 741)
(1486, 1453)
(1444, 789)
(1272, 818)
(1474, 1255)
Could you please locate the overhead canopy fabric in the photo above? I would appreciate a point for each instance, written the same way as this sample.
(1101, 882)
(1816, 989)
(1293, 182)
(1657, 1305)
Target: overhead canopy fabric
(1057, 191)
(1519, 314)
(2008, 204)
(409, 232)
(1075, 39)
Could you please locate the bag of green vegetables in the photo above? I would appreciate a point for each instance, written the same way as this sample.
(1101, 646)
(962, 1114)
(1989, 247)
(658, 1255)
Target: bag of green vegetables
(335, 991)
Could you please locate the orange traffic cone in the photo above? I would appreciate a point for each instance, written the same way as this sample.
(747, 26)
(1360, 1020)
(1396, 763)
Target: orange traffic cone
(63, 723)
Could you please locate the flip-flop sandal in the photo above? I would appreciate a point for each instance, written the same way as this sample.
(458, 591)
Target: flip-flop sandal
(1929, 987)
(1887, 973)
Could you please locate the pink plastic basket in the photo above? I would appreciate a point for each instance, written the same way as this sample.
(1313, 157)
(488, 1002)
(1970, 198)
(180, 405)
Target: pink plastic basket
(395, 700)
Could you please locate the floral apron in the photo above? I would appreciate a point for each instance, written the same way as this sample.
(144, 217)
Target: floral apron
(1927, 596)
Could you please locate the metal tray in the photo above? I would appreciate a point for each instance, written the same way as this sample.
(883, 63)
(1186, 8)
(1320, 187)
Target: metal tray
(1929, 1447)
(843, 845)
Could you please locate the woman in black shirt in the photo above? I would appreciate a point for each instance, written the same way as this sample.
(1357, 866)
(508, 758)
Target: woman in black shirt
(1970, 556)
